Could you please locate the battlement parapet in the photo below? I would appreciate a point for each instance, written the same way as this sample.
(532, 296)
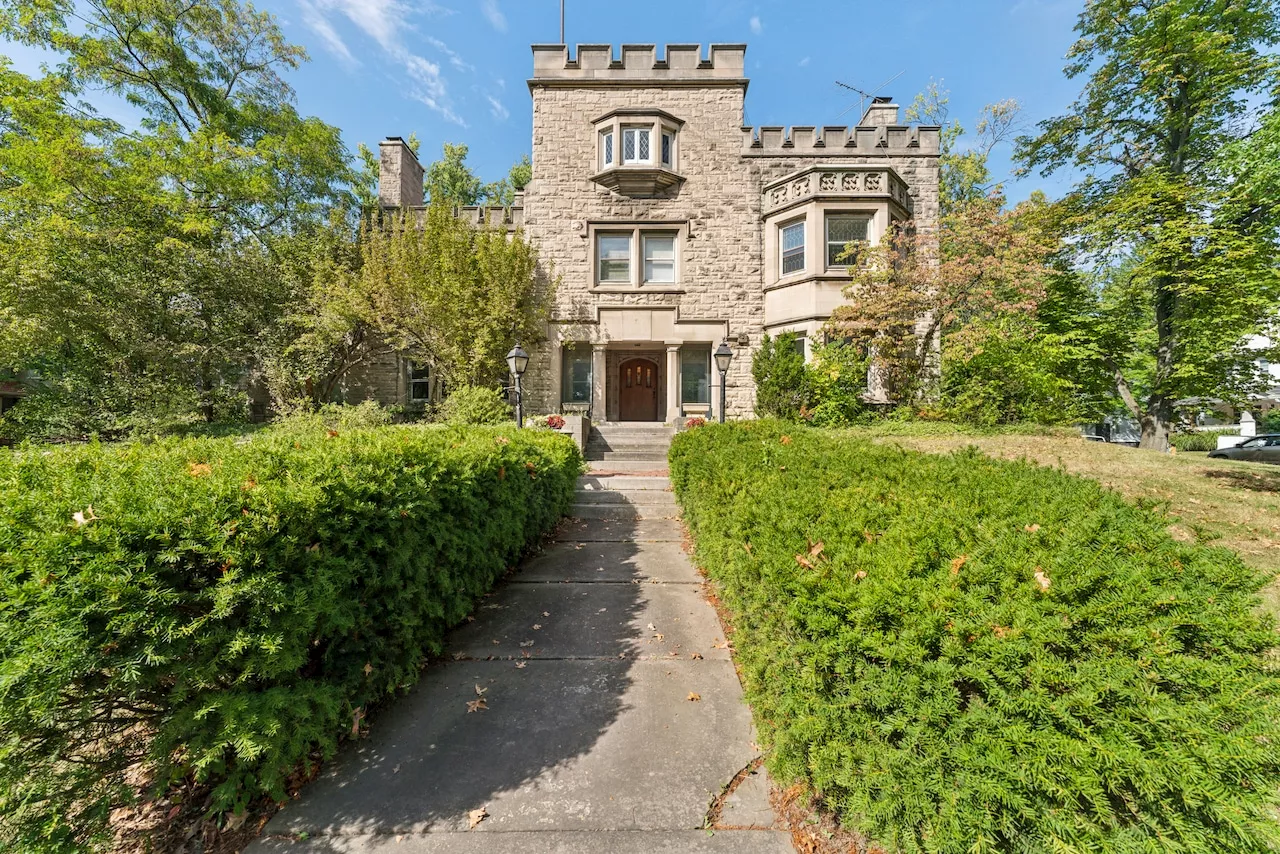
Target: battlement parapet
(637, 64)
(494, 216)
(841, 141)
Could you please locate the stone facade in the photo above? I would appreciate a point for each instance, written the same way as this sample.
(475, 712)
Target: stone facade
(637, 156)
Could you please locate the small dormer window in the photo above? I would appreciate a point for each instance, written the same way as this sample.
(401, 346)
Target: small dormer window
(606, 149)
(636, 152)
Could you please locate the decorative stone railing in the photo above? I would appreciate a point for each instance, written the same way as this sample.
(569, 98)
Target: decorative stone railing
(838, 182)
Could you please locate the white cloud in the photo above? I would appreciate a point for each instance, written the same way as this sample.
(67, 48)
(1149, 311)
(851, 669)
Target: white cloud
(500, 112)
(804, 63)
(756, 26)
(385, 21)
(494, 14)
(319, 24)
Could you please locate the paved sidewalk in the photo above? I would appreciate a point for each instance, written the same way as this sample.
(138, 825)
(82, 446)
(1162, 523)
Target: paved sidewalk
(612, 715)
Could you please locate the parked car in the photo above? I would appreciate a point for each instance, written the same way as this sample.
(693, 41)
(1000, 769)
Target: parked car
(1259, 449)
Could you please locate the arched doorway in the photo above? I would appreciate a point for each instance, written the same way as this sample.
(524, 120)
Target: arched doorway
(638, 390)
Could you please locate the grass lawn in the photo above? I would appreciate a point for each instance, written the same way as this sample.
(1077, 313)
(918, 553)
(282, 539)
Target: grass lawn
(1219, 502)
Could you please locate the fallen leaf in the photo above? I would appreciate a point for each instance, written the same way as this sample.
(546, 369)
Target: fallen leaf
(458, 656)
(786, 440)
(480, 691)
(804, 561)
(719, 644)
(652, 627)
(526, 643)
(520, 665)
(249, 484)
(1042, 579)
(1001, 631)
(695, 698)
(537, 627)
(333, 434)
(546, 613)
(747, 546)
(176, 809)
(475, 817)
(356, 717)
(860, 574)
(368, 668)
(199, 469)
(502, 440)
(476, 706)
(957, 563)
(695, 655)
(84, 517)
(1032, 528)
(314, 547)
(816, 549)
(659, 636)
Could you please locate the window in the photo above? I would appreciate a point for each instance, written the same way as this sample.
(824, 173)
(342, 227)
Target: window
(635, 145)
(7, 403)
(695, 375)
(668, 145)
(842, 230)
(575, 375)
(606, 148)
(793, 248)
(613, 252)
(419, 382)
(659, 258)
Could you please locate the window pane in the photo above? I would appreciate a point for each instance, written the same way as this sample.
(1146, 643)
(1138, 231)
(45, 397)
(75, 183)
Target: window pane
(799, 344)
(695, 374)
(666, 149)
(793, 248)
(659, 258)
(644, 146)
(606, 145)
(576, 375)
(614, 252)
(842, 230)
(628, 146)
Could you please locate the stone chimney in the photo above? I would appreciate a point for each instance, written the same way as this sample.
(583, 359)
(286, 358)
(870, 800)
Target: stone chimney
(399, 174)
(882, 112)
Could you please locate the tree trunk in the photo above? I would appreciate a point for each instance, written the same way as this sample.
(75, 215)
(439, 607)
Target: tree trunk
(1155, 426)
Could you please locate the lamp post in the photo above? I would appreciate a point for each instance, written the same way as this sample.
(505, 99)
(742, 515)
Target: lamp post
(517, 361)
(723, 356)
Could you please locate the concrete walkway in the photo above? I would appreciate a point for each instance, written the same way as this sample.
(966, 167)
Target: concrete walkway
(611, 719)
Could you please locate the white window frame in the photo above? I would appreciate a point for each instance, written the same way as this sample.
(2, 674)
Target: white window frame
(414, 382)
(636, 131)
(630, 236)
(783, 228)
(645, 237)
(608, 151)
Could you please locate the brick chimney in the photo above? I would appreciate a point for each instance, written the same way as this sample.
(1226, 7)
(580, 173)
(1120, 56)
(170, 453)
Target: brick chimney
(399, 174)
(882, 112)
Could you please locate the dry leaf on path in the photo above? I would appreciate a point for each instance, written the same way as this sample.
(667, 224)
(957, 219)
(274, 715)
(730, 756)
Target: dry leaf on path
(475, 817)
(694, 698)
(476, 706)
(480, 691)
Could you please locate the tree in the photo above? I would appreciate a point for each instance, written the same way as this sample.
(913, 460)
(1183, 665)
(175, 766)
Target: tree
(1183, 278)
(450, 179)
(504, 191)
(444, 291)
(782, 386)
(145, 256)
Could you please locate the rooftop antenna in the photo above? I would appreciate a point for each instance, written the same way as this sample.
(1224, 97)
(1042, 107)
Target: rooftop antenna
(863, 97)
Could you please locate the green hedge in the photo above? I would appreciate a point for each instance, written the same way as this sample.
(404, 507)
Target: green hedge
(902, 653)
(225, 608)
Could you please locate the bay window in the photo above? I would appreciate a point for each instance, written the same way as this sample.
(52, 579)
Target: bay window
(792, 246)
(635, 145)
(606, 149)
(843, 229)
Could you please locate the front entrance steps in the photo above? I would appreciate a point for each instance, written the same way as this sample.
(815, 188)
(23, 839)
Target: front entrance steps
(629, 447)
(624, 499)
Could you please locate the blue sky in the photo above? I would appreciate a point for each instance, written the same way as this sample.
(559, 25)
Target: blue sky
(455, 70)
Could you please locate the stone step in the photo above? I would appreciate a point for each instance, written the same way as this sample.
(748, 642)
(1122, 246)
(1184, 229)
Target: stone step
(623, 512)
(618, 466)
(597, 482)
(659, 455)
(637, 497)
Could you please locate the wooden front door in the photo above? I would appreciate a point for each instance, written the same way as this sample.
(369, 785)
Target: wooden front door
(638, 390)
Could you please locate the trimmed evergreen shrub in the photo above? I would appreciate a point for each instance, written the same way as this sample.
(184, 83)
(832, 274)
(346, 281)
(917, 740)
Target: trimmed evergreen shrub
(224, 608)
(1204, 440)
(475, 405)
(961, 654)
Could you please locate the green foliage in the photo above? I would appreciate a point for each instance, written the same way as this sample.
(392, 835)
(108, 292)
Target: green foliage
(452, 294)
(1270, 423)
(450, 180)
(225, 608)
(1203, 440)
(149, 256)
(837, 379)
(782, 387)
(1168, 212)
(475, 405)
(962, 655)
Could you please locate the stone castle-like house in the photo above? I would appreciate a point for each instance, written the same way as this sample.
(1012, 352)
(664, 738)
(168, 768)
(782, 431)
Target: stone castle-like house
(674, 227)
